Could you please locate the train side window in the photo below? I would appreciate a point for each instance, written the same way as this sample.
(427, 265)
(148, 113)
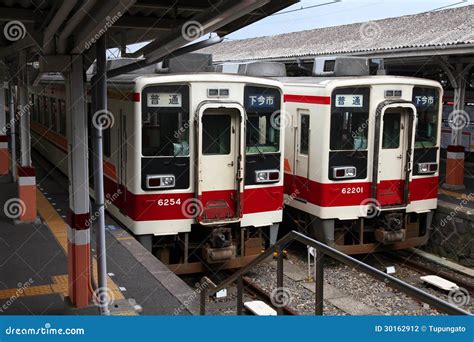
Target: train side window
(216, 134)
(62, 117)
(54, 115)
(107, 143)
(47, 111)
(349, 130)
(32, 107)
(304, 134)
(41, 110)
(391, 131)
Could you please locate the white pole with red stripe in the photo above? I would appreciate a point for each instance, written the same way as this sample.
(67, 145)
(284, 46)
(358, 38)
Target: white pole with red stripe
(79, 275)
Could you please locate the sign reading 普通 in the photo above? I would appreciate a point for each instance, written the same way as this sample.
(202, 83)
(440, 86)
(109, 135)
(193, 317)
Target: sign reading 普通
(164, 100)
(349, 100)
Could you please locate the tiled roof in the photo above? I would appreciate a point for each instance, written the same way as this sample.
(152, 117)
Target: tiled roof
(440, 29)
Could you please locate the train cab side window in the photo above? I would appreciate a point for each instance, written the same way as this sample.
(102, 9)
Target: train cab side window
(349, 130)
(304, 134)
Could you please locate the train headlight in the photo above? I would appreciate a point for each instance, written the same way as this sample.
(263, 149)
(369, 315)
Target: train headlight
(343, 172)
(267, 176)
(427, 167)
(160, 181)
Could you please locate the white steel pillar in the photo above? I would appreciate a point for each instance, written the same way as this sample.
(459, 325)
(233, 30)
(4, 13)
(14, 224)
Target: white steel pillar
(26, 172)
(79, 275)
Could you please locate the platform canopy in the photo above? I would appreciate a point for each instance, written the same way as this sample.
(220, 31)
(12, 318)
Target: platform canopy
(59, 27)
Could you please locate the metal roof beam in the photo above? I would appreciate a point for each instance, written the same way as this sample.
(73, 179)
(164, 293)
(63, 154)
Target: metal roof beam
(25, 15)
(203, 23)
(147, 23)
(99, 22)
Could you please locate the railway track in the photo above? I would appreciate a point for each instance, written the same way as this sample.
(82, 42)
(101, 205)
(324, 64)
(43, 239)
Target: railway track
(424, 268)
(261, 294)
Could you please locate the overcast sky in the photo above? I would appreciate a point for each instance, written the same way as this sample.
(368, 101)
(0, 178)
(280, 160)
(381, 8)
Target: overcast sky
(338, 13)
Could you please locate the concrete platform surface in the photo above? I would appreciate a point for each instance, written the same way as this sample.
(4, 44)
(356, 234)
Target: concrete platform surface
(33, 262)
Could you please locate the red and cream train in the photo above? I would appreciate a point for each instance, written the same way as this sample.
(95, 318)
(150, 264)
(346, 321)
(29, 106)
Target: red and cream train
(192, 164)
(205, 167)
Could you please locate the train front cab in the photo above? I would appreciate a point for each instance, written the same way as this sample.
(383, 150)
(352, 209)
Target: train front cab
(376, 186)
(215, 170)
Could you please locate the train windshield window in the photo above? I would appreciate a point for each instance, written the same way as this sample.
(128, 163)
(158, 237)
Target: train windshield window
(349, 130)
(426, 101)
(262, 133)
(391, 131)
(165, 134)
(216, 134)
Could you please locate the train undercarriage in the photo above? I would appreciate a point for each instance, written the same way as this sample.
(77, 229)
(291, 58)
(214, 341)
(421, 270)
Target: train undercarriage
(391, 230)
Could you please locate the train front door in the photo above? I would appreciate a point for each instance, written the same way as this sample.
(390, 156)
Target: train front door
(395, 149)
(219, 187)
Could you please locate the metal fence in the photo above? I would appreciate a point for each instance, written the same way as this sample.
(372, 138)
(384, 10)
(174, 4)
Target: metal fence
(322, 251)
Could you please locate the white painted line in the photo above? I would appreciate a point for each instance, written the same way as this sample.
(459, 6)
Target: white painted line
(123, 289)
(440, 283)
(259, 308)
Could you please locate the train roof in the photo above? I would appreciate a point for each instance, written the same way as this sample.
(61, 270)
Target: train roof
(136, 78)
(334, 81)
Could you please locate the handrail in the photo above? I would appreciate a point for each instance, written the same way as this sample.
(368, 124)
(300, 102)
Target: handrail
(322, 250)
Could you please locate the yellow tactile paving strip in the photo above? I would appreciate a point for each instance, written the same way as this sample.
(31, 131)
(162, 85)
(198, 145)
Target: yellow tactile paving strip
(60, 282)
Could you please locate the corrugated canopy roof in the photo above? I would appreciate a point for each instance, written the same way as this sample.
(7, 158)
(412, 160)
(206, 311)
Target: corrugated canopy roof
(51, 27)
(438, 29)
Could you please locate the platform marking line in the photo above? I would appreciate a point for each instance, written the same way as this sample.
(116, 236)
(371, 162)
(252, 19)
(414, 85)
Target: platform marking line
(58, 228)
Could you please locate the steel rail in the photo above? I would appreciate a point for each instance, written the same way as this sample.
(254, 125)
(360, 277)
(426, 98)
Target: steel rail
(322, 251)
